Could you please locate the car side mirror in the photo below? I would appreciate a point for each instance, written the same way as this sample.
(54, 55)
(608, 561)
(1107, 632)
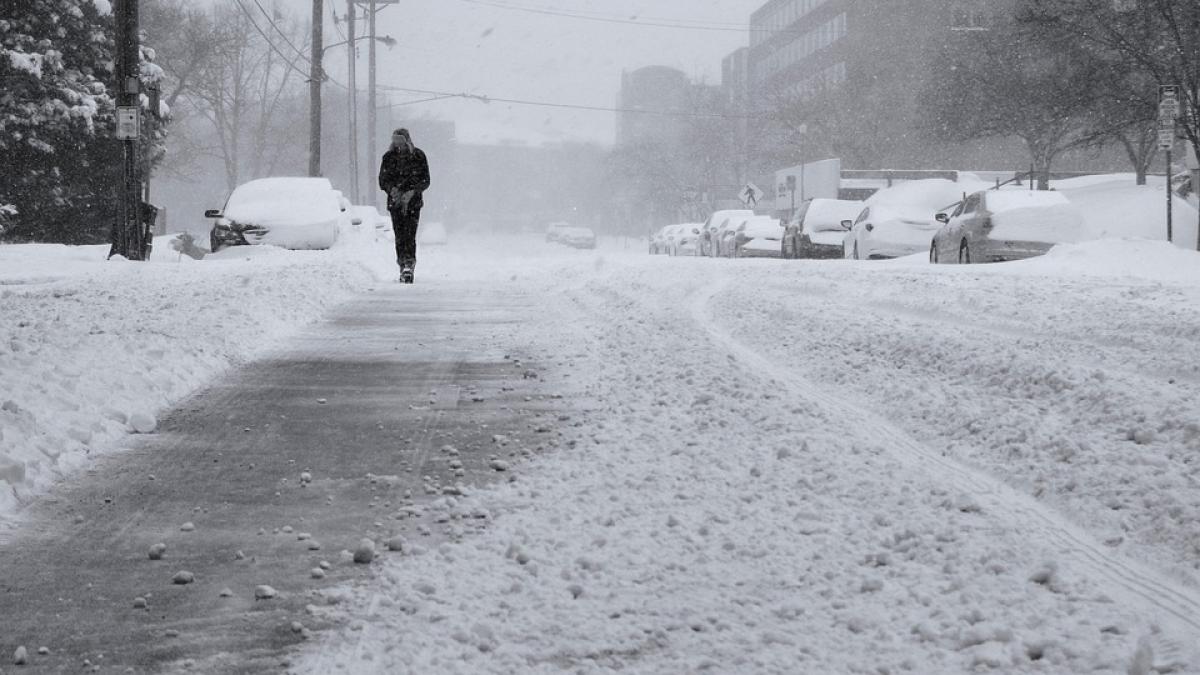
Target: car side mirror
(942, 218)
(212, 213)
(847, 224)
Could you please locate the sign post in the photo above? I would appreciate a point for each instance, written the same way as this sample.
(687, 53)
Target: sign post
(1168, 113)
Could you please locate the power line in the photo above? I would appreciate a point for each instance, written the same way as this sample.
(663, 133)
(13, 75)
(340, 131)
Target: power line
(271, 20)
(290, 62)
(570, 106)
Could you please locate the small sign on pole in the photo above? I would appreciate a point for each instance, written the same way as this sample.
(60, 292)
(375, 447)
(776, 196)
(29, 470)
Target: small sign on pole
(129, 123)
(750, 195)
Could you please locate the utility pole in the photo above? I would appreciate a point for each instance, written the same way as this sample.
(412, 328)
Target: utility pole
(314, 90)
(352, 102)
(129, 237)
(373, 7)
(372, 161)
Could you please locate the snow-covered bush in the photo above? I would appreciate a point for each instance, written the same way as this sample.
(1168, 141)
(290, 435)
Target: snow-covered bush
(62, 163)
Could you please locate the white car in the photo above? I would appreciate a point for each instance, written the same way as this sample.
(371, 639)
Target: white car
(816, 231)
(577, 237)
(295, 213)
(660, 241)
(555, 230)
(686, 239)
(900, 220)
(371, 220)
(758, 237)
(707, 241)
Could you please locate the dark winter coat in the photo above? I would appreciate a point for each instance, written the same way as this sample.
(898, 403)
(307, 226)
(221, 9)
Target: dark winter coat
(406, 171)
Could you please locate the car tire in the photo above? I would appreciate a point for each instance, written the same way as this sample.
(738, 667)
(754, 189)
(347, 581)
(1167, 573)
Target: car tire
(964, 253)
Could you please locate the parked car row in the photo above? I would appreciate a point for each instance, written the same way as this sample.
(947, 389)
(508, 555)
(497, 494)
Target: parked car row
(933, 216)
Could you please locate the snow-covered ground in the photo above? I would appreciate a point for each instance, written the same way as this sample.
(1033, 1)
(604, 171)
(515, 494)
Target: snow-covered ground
(833, 467)
(773, 466)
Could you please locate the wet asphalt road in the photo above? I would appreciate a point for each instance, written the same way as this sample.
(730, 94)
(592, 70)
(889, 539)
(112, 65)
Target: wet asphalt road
(365, 402)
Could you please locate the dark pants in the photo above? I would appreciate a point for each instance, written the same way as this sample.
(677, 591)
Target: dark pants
(405, 227)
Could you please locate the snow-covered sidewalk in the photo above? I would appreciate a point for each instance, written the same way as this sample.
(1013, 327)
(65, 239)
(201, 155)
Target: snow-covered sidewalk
(831, 467)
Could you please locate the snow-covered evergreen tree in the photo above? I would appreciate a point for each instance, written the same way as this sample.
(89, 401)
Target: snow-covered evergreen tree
(62, 162)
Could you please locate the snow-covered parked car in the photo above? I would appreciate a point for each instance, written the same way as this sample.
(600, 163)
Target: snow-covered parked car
(658, 240)
(999, 225)
(707, 241)
(685, 239)
(758, 237)
(371, 220)
(296, 213)
(816, 231)
(577, 237)
(555, 230)
(900, 220)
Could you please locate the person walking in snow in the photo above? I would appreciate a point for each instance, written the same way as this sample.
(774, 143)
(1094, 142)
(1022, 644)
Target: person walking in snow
(404, 176)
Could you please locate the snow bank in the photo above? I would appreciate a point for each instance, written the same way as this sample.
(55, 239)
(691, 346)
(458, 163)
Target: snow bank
(1118, 208)
(89, 355)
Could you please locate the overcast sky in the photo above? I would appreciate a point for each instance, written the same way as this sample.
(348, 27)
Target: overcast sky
(496, 48)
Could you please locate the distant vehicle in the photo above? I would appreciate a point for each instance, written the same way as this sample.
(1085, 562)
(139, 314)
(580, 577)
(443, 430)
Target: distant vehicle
(899, 221)
(816, 230)
(295, 213)
(431, 234)
(660, 240)
(758, 237)
(372, 220)
(686, 239)
(722, 237)
(707, 244)
(577, 237)
(999, 225)
(554, 230)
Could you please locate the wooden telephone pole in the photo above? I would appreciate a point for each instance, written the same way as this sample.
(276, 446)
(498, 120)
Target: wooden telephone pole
(316, 74)
(131, 237)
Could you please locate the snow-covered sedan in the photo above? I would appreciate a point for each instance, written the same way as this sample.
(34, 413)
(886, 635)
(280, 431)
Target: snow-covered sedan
(686, 239)
(577, 237)
(295, 213)
(708, 242)
(758, 237)
(816, 231)
(658, 240)
(900, 220)
(998, 225)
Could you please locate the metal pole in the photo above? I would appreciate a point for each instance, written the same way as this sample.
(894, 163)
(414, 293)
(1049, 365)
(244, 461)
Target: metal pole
(316, 74)
(352, 107)
(372, 161)
(1170, 233)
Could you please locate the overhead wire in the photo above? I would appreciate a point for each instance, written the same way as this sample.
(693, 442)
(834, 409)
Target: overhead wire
(570, 106)
(271, 43)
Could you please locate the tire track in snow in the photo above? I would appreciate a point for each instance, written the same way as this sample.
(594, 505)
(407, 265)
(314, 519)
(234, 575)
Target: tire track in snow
(1130, 582)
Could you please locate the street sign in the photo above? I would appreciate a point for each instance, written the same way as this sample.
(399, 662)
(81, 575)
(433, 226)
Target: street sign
(129, 122)
(750, 195)
(1166, 139)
